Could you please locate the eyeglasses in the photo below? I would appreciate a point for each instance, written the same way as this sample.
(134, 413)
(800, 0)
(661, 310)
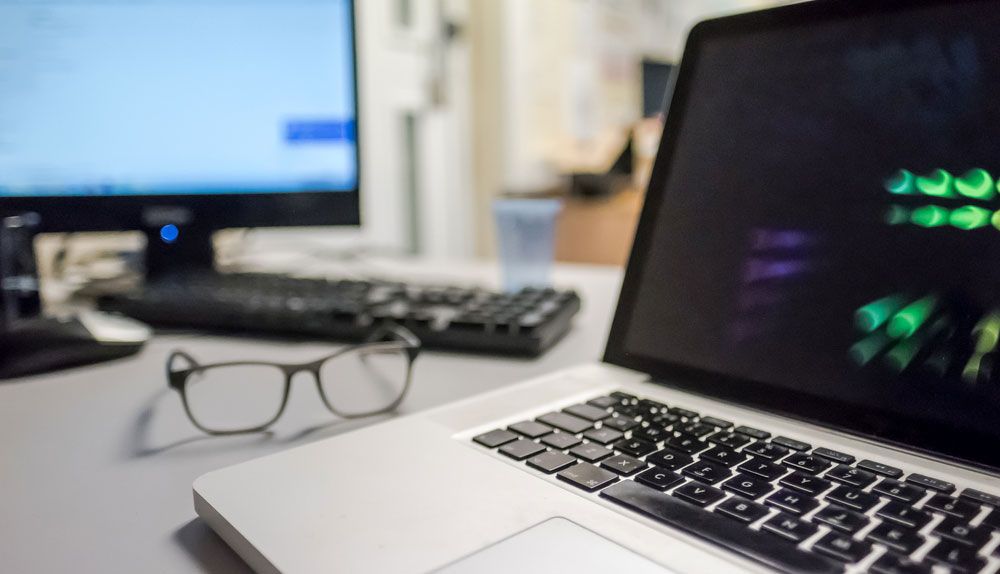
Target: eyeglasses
(249, 396)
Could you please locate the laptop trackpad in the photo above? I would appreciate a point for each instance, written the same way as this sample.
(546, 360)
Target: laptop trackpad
(556, 545)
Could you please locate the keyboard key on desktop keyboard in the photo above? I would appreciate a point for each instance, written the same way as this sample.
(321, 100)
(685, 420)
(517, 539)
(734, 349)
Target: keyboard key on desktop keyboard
(791, 501)
(623, 464)
(842, 519)
(899, 490)
(763, 468)
(717, 528)
(551, 461)
(807, 483)
(931, 483)
(749, 486)
(669, 459)
(879, 468)
(521, 449)
(659, 478)
(953, 506)
(560, 440)
(766, 450)
(843, 548)
(791, 443)
(789, 527)
(959, 558)
(904, 514)
(834, 455)
(591, 452)
(635, 447)
(850, 476)
(752, 432)
(530, 429)
(686, 444)
(587, 476)
(565, 422)
(699, 494)
(495, 438)
(853, 498)
(741, 509)
(707, 472)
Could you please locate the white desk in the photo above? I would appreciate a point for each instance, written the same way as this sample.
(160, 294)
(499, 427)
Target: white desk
(96, 463)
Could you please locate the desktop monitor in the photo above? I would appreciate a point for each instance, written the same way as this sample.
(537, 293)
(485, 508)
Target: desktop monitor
(179, 117)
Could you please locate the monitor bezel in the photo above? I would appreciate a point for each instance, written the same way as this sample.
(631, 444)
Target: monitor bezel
(906, 432)
(309, 208)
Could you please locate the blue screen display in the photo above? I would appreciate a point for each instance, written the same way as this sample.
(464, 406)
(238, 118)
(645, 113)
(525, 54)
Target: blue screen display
(156, 97)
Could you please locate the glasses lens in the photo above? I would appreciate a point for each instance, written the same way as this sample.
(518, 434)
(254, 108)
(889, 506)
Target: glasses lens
(235, 398)
(365, 380)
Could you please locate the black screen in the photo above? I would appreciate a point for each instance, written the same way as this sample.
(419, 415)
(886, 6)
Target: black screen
(822, 234)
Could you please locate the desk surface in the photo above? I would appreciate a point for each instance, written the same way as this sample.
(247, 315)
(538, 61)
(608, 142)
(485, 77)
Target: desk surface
(97, 463)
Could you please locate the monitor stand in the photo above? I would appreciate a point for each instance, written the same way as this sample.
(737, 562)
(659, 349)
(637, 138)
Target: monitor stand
(190, 252)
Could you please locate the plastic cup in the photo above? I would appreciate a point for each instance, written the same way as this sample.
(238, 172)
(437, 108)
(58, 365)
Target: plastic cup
(526, 237)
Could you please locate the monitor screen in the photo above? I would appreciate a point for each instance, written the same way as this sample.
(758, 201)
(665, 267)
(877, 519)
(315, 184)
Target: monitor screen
(176, 97)
(826, 224)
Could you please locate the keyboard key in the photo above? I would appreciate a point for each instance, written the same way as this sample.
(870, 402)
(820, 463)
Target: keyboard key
(899, 538)
(956, 556)
(587, 412)
(718, 529)
(650, 408)
(766, 450)
(791, 443)
(960, 531)
(686, 444)
(698, 494)
(747, 485)
(843, 548)
(603, 435)
(791, 501)
(752, 432)
(623, 464)
(587, 476)
(590, 452)
(603, 402)
(992, 520)
(879, 468)
(624, 398)
(763, 469)
(551, 461)
(899, 490)
(626, 411)
(722, 424)
(683, 413)
(789, 527)
(729, 439)
(495, 438)
(619, 423)
(724, 456)
(664, 419)
(521, 449)
(560, 440)
(890, 563)
(841, 519)
(981, 497)
(565, 422)
(806, 463)
(530, 429)
(695, 429)
(835, 456)
(850, 476)
(652, 433)
(931, 483)
(953, 506)
(806, 483)
(707, 472)
(853, 498)
(659, 478)
(904, 514)
(669, 459)
(635, 447)
(742, 510)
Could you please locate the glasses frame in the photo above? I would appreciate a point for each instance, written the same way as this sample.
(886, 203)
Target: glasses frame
(178, 376)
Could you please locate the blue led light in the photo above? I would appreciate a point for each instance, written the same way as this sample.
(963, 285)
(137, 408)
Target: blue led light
(169, 233)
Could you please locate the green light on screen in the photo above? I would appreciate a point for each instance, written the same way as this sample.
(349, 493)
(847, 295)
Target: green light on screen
(938, 184)
(970, 217)
(909, 319)
(897, 215)
(868, 348)
(875, 314)
(929, 216)
(902, 183)
(977, 184)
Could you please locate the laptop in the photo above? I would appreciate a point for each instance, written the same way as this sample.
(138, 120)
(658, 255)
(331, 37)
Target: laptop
(803, 371)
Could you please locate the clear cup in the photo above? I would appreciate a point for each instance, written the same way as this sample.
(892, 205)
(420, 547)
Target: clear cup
(526, 238)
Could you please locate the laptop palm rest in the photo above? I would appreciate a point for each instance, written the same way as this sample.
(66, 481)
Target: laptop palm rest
(556, 545)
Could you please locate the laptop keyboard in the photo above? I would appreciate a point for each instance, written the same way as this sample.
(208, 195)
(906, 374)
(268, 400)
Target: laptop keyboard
(791, 505)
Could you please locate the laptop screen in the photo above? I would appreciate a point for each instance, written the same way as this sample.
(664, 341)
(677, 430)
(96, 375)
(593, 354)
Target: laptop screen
(822, 234)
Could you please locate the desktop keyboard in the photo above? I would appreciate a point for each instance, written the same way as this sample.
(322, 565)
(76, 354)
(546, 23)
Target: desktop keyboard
(455, 318)
(774, 499)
